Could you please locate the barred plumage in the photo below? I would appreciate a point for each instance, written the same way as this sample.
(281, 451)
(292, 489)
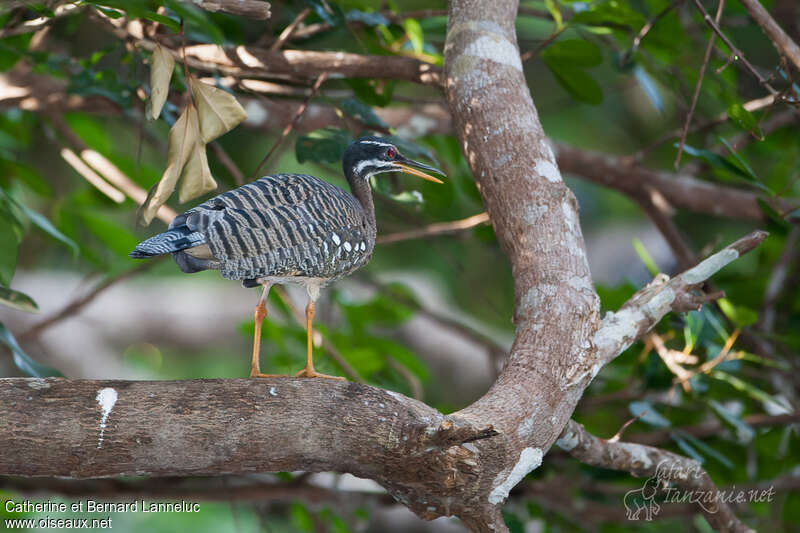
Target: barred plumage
(286, 228)
(286, 225)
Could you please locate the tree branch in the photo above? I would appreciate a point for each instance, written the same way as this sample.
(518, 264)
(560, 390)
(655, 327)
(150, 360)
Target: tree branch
(645, 308)
(434, 230)
(646, 461)
(785, 45)
(253, 9)
(679, 190)
(84, 429)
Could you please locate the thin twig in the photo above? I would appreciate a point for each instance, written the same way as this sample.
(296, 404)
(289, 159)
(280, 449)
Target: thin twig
(734, 50)
(82, 301)
(414, 384)
(658, 209)
(618, 434)
(541, 46)
(287, 32)
(329, 348)
(666, 355)
(434, 230)
(228, 163)
(785, 45)
(712, 427)
(299, 113)
(777, 280)
(697, 86)
(650, 23)
(751, 105)
(720, 357)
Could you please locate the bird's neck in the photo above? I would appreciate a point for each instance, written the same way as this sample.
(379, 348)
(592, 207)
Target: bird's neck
(360, 188)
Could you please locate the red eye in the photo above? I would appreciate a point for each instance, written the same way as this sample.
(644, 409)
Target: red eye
(390, 153)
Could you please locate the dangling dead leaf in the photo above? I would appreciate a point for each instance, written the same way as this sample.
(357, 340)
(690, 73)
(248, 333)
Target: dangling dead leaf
(183, 137)
(219, 112)
(161, 66)
(196, 178)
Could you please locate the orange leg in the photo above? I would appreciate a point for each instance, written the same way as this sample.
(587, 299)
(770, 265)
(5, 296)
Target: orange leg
(308, 371)
(260, 314)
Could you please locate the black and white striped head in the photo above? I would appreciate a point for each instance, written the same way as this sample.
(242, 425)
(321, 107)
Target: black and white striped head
(369, 156)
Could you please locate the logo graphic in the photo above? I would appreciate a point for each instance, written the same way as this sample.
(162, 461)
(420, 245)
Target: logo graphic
(645, 503)
(643, 499)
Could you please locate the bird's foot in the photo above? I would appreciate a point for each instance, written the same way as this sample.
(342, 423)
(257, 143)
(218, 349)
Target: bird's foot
(311, 373)
(256, 374)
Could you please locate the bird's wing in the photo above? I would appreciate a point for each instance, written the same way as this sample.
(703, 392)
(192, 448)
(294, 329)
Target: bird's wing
(284, 225)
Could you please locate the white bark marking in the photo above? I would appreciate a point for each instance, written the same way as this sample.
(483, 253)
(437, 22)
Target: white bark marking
(568, 442)
(106, 398)
(533, 213)
(38, 384)
(495, 48)
(637, 453)
(529, 459)
(526, 427)
(710, 266)
(580, 283)
(548, 171)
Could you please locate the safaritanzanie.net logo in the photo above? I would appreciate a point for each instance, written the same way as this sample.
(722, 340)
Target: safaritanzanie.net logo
(684, 484)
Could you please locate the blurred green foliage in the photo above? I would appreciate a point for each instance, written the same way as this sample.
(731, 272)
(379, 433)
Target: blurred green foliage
(599, 82)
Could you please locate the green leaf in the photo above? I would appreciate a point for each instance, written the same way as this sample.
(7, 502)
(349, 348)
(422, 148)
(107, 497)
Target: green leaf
(687, 448)
(43, 224)
(373, 92)
(362, 112)
(117, 237)
(365, 360)
(27, 175)
(369, 19)
(645, 256)
(580, 85)
(744, 432)
(327, 11)
(574, 52)
(326, 145)
(648, 414)
(612, 14)
(414, 33)
(300, 518)
(22, 360)
(17, 300)
(773, 215)
(12, 49)
(196, 21)
(748, 170)
(9, 241)
(745, 119)
(740, 315)
(723, 163)
(552, 8)
(706, 449)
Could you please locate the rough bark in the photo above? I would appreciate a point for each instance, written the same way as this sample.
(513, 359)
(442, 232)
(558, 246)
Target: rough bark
(535, 219)
(253, 9)
(646, 461)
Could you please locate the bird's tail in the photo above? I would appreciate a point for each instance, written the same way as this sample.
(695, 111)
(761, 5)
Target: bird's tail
(173, 240)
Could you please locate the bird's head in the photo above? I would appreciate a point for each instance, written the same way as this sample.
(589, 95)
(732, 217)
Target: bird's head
(369, 156)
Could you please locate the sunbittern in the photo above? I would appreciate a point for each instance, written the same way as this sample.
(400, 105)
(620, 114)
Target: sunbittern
(286, 228)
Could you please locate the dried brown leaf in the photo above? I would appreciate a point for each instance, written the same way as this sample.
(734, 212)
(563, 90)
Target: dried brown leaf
(196, 177)
(183, 137)
(161, 66)
(218, 111)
